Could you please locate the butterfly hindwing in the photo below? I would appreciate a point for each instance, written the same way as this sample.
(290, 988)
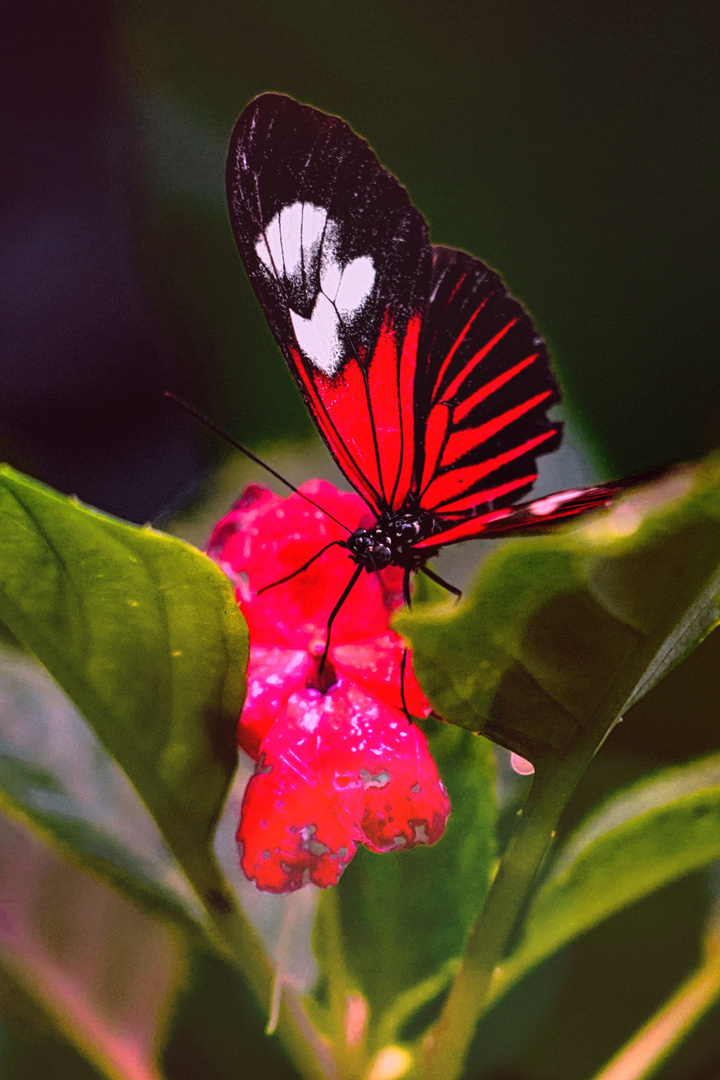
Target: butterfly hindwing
(484, 387)
(536, 517)
(340, 262)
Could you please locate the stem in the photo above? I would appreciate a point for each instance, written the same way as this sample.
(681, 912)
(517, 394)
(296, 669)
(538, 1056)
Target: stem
(656, 1041)
(446, 1044)
(236, 939)
(345, 1005)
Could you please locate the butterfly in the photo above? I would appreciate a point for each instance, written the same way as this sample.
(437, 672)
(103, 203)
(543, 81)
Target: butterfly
(426, 379)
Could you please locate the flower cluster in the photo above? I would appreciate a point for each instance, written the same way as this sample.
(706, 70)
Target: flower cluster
(337, 763)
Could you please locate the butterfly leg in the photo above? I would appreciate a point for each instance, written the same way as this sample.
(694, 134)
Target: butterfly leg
(441, 581)
(406, 588)
(403, 667)
(346, 592)
(300, 569)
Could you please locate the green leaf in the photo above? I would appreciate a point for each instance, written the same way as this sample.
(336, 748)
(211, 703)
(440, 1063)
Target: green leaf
(405, 915)
(56, 778)
(218, 1030)
(143, 633)
(653, 833)
(565, 631)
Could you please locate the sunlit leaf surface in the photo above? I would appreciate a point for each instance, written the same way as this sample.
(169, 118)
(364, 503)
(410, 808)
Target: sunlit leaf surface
(144, 635)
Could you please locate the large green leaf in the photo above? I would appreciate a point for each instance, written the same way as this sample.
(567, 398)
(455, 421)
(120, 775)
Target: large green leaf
(651, 834)
(404, 916)
(565, 631)
(55, 777)
(143, 633)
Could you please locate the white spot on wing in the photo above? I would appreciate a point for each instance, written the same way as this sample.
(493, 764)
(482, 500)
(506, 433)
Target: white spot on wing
(330, 276)
(356, 284)
(313, 223)
(269, 247)
(290, 234)
(318, 336)
(551, 503)
(300, 246)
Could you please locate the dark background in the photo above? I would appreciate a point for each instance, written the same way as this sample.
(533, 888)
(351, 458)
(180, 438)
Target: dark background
(573, 146)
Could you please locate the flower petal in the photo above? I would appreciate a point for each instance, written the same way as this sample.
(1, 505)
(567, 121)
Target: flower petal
(337, 761)
(273, 674)
(375, 665)
(264, 538)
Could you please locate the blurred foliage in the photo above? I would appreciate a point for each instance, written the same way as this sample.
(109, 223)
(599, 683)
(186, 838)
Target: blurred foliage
(218, 1030)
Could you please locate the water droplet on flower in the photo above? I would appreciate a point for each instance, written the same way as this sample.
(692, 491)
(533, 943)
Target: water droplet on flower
(521, 766)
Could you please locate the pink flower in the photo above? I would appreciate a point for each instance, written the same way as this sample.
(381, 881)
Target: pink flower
(338, 764)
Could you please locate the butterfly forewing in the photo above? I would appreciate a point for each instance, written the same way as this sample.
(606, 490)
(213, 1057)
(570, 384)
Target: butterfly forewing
(340, 262)
(484, 387)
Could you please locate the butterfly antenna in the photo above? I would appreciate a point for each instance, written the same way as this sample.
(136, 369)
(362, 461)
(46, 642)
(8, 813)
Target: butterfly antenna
(303, 568)
(403, 667)
(248, 454)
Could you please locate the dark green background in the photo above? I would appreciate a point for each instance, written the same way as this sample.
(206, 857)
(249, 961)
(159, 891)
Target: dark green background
(573, 146)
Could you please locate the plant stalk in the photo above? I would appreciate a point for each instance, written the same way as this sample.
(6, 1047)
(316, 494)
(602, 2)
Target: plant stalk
(237, 940)
(446, 1045)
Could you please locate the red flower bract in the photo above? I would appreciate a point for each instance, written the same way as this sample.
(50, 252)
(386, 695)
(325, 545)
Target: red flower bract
(338, 764)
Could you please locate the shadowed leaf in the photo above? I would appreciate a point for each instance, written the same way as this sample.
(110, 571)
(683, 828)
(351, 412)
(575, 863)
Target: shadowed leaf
(651, 834)
(570, 629)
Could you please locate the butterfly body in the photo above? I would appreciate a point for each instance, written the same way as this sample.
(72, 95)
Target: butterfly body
(392, 540)
(428, 382)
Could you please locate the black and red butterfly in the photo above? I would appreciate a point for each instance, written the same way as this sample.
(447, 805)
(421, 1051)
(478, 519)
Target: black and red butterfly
(427, 381)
